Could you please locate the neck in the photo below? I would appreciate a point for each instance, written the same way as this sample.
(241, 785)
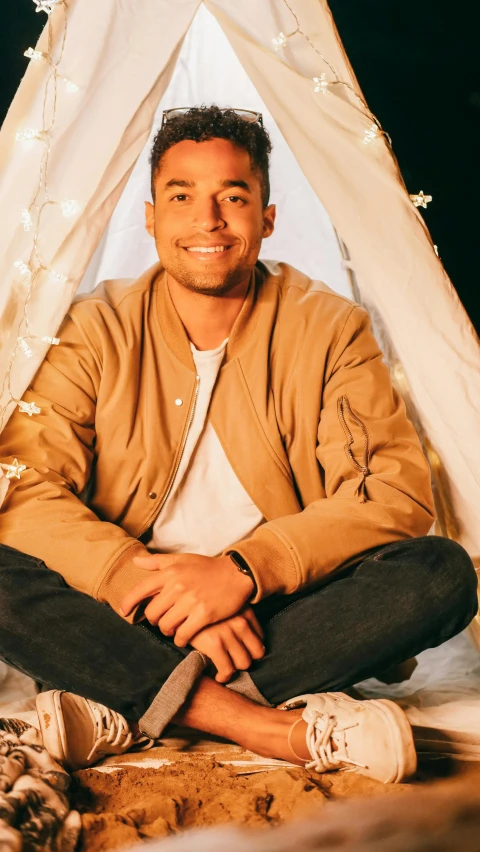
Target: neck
(208, 320)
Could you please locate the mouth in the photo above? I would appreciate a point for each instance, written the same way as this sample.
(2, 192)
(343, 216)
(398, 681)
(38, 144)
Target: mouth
(214, 252)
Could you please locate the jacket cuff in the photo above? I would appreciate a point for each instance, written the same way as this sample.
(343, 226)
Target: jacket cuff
(272, 563)
(122, 576)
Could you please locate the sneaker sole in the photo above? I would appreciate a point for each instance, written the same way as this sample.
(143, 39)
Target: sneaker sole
(49, 710)
(401, 736)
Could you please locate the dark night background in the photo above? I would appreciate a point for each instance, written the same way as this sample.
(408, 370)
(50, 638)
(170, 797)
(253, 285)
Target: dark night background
(418, 63)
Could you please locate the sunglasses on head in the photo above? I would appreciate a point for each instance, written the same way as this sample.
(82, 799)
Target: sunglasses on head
(246, 114)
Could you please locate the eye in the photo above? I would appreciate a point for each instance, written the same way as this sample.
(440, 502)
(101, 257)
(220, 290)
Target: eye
(178, 197)
(235, 199)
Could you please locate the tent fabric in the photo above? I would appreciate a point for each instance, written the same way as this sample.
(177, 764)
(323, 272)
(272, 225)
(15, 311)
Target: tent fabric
(101, 131)
(208, 71)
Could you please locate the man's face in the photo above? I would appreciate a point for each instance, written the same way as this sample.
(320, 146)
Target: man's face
(207, 197)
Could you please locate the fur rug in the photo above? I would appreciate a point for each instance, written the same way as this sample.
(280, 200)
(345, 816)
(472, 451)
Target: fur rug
(35, 813)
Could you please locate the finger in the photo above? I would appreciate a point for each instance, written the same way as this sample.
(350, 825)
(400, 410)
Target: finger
(151, 585)
(254, 622)
(174, 616)
(223, 664)
(154, 561)
(196, 621)
(239, 654)
(247, 636)
(161, 604)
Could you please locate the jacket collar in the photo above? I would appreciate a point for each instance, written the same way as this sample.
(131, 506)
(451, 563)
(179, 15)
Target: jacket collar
(173, 330)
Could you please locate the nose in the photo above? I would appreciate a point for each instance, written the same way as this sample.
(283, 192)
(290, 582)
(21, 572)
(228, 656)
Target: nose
(207, 215)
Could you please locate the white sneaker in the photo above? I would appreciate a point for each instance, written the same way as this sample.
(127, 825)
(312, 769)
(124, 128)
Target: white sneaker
(78, 732)
(372, 738)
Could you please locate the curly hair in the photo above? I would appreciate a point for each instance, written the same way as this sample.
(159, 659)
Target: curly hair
(209, 122)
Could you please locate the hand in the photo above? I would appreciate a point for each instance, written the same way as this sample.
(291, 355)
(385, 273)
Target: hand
(188, 592)
(232, 644)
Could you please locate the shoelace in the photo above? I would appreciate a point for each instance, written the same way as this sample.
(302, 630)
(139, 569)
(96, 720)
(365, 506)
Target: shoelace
(320, 737)
(111, 728)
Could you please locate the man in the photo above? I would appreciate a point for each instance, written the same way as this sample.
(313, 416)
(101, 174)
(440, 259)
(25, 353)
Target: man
(225, 507)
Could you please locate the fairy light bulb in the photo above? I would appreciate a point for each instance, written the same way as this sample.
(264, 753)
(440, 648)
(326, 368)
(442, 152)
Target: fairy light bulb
(28, 408)
(34, 55)
(280, 41)
(24, 347)
(22, 267)
(370, 134)
(26, 220)
(420, 199)
(321, 84)
(30, 134)
(14, 470)
(69, 208)
(54, 341)
(59, 276)
(70, 86)
(46, 6)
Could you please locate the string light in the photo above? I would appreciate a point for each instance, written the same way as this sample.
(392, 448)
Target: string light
(26, 220)
(280, 41)
(69, 208)
(14, 470)
(46, 5)
(34, 55)
(22, 267)
(370, 134)
(37, 56)
(70, 85)
(28, 407)
(24, 347)
(321, 84)
(29, 134)
(36, 266)
(421, 200)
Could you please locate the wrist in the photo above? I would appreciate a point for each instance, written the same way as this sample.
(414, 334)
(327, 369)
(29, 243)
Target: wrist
(244, 570)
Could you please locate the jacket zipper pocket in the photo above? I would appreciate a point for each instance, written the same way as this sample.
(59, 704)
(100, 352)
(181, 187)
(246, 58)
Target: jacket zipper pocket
(179, 459)
(344, 409)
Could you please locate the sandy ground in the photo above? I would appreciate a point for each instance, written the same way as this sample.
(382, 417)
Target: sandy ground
(169, 789)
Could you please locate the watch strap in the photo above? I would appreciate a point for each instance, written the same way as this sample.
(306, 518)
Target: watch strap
(244, 567)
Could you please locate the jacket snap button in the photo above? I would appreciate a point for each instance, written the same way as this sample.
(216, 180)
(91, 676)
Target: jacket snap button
(179, 402)
(152, 495)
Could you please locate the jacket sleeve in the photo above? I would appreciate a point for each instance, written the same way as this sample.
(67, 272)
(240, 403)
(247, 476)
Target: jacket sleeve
(43, 514)
(376, 477)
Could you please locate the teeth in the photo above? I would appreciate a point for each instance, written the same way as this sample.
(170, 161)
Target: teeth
(205, 250)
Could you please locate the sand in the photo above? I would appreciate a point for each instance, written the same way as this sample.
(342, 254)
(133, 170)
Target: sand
(133, 803)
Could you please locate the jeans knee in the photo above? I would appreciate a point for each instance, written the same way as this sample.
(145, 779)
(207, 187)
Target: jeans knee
(20, 577)
(452, 574)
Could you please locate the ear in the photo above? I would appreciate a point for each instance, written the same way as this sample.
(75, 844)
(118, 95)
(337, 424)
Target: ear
(269, 220)
(150, 218)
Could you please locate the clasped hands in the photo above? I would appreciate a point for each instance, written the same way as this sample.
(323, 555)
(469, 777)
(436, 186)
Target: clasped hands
(201, 601)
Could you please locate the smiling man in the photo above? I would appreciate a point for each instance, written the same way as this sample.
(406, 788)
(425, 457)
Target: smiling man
(225, 508)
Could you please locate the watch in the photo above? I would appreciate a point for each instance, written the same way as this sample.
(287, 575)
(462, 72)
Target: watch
(244, 567)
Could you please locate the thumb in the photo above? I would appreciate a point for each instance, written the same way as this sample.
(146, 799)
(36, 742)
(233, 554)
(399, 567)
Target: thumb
(152, 562)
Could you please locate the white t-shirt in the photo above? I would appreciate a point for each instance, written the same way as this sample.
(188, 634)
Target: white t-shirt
(208, 508)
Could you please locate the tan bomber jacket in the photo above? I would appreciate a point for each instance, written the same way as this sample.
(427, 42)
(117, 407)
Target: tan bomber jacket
(303, 406)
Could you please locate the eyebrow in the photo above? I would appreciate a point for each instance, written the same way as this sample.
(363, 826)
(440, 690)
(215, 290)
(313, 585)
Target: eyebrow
(224, 184)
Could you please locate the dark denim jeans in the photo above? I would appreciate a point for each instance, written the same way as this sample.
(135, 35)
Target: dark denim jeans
(400, 600)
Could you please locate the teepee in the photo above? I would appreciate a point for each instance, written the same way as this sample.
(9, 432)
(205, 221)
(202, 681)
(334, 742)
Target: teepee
(74, 175)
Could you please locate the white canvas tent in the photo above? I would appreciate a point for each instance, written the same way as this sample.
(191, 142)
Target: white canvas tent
(130, 61)
(123, 59)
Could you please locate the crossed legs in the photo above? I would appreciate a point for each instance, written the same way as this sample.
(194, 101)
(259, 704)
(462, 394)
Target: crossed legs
(404, 598)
